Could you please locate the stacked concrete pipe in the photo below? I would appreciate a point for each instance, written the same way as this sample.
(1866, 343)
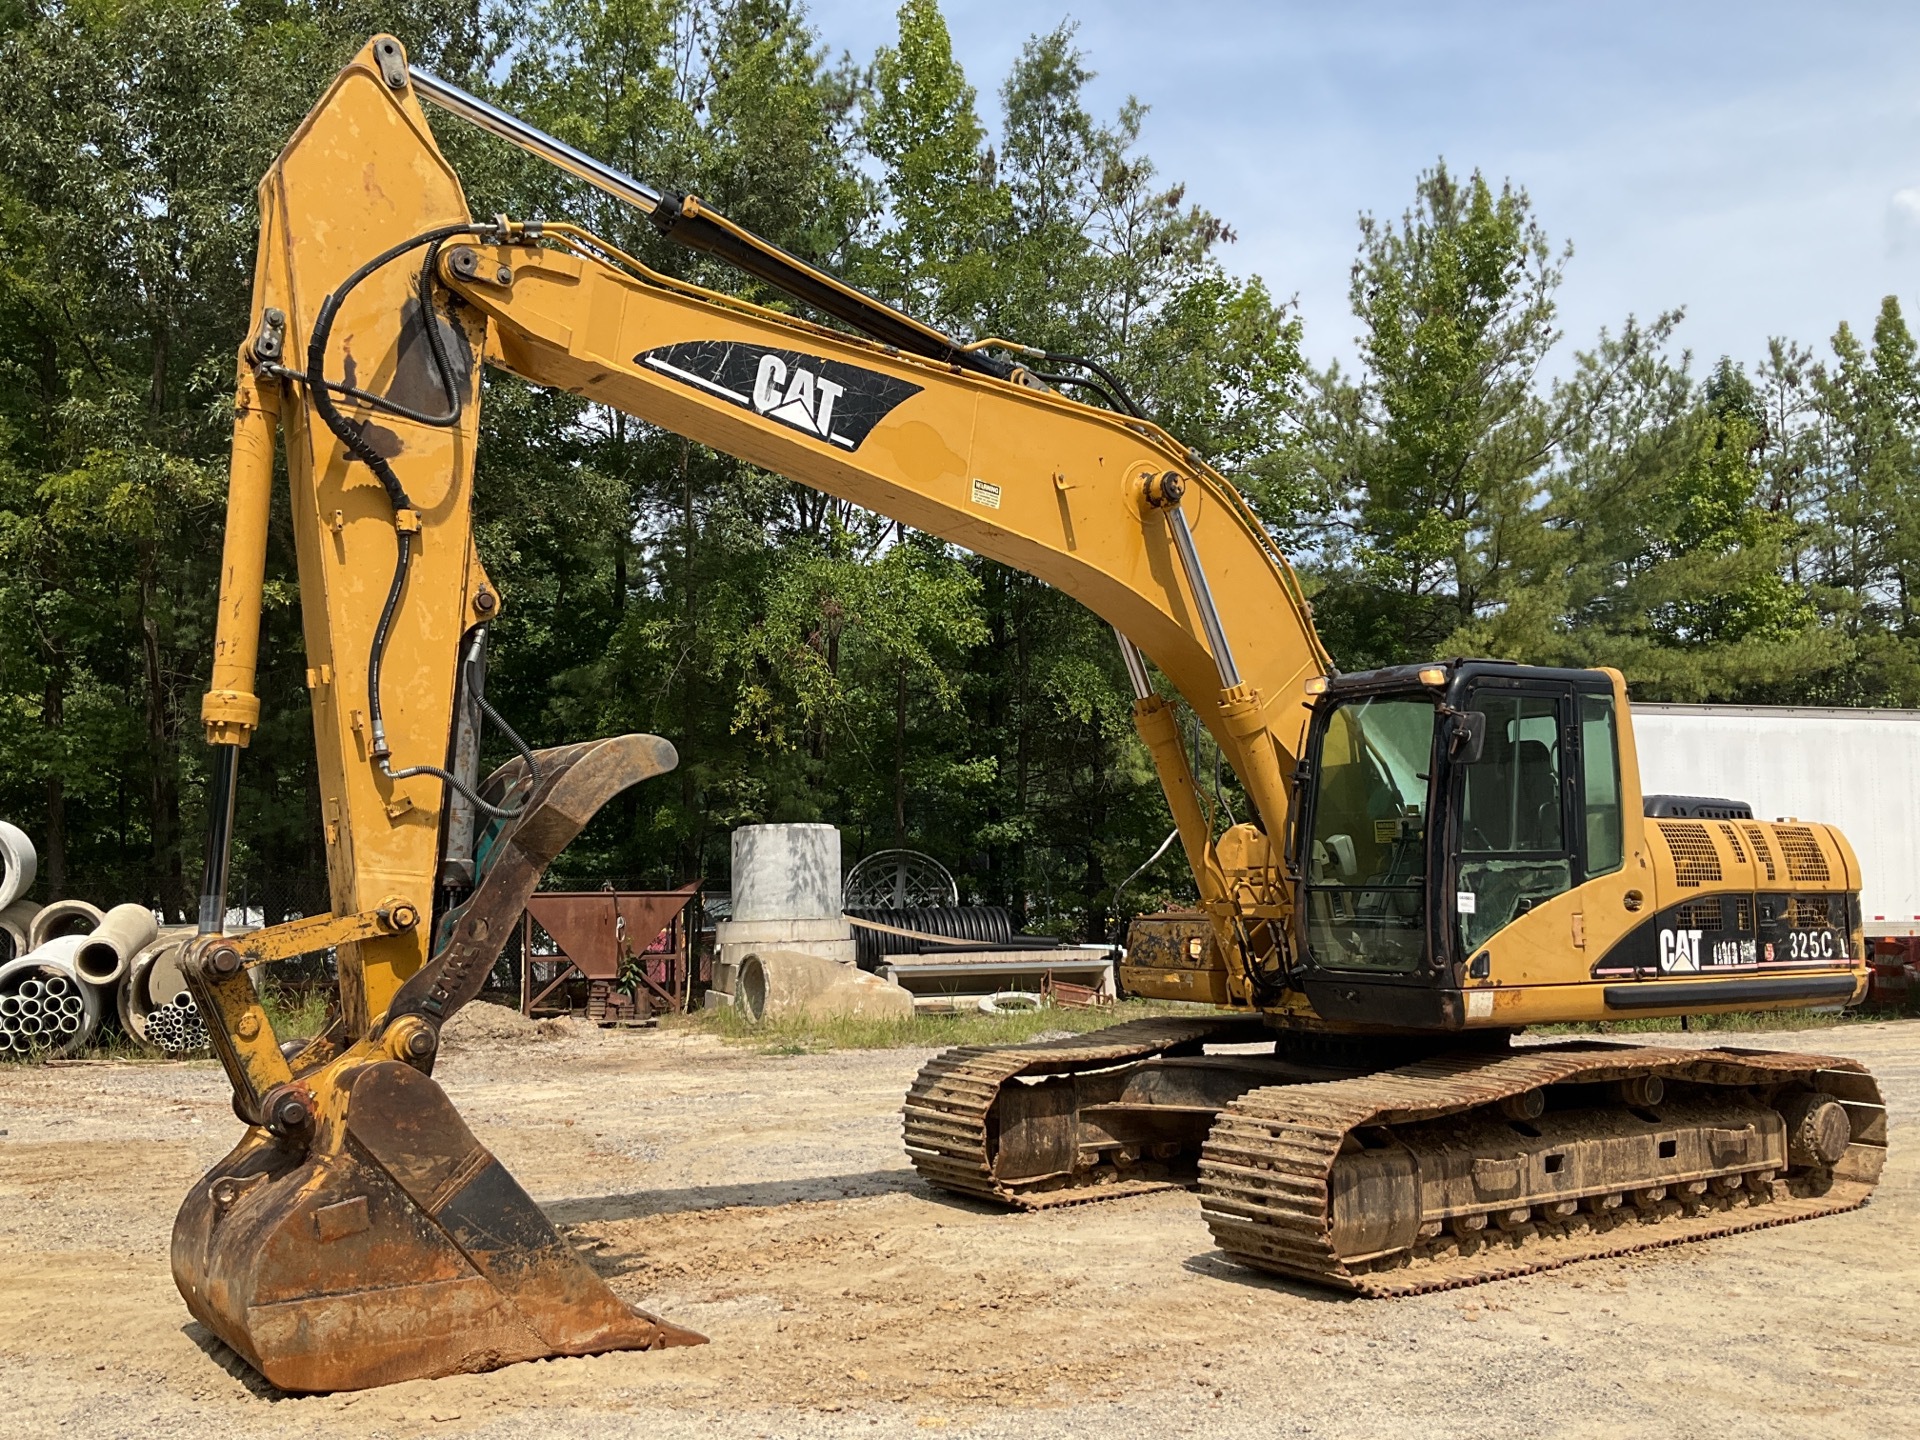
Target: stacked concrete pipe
(63, 917)
(156, 1011)
(46, 1009)
(66, 968)
(19, 864)
(786, 899)
(16, 924)
(787, 948)
(106, 951)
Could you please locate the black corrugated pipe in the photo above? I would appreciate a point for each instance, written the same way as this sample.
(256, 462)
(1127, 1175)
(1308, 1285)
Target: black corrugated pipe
(971, 927)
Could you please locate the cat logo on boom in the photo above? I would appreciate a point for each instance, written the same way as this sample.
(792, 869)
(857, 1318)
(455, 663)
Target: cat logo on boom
(826, 399)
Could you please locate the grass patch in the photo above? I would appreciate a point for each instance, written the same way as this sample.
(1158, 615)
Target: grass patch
(796, 1035)
(295, 1011)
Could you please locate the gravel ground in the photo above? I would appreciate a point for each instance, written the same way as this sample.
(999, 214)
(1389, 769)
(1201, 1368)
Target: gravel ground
(764, 1201)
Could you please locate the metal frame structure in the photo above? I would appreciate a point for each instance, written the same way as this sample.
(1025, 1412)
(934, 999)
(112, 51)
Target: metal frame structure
(594, 931)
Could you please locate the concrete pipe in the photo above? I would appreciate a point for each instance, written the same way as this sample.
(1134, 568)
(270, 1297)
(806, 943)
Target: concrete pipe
(152, 982)
(1011, 1002)
(18, 864)
(167, 980)
(16, 926)
(774, 983)
(121, 934)
(62, 917)
(47, 976)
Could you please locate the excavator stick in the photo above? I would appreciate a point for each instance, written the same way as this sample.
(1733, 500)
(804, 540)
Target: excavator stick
(379, 1240)
(359, 1233)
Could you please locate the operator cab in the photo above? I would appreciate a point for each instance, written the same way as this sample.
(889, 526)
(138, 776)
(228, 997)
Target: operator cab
(1441, 803)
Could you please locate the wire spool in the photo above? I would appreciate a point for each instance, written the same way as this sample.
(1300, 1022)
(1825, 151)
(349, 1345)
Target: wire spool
(896, 879)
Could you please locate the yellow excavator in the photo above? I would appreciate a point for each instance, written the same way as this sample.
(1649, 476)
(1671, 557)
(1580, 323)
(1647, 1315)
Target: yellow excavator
(1437, 855)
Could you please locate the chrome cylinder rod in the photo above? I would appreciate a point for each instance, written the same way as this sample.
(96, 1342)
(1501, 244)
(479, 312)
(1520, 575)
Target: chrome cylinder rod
(516, 131)
(222, 785)
(1203, 598)
(1136, 664)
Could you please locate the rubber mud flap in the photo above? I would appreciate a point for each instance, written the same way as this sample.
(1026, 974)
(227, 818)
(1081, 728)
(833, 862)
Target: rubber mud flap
(394, 1247)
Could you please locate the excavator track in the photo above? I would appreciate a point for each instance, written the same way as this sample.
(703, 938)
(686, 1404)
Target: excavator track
(949, 1121)
(1315, 1182)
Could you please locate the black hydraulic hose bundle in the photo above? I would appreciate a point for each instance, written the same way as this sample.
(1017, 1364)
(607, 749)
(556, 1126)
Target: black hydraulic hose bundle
(353, 438)
(1114, 393)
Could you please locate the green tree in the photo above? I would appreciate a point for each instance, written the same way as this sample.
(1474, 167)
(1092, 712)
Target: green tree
(1442, 438)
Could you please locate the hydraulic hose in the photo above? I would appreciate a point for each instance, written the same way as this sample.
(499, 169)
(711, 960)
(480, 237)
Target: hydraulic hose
(406, 522)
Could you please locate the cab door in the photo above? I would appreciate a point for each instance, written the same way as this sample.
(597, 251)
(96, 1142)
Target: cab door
(1517, 843)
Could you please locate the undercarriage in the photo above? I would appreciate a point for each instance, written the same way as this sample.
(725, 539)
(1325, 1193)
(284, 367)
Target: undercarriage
(1470, 1164)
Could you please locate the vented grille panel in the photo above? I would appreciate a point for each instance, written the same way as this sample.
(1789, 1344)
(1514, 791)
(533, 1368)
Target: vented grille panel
(1700, 915)
(1762, 851)
(1804, 859)
(1733, 842)
(1743, 915)
(1695, 861)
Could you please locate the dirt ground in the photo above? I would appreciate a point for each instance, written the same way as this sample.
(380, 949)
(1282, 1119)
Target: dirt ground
(764, 1201)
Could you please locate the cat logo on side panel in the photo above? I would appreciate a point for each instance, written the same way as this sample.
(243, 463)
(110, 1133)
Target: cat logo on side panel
(1679, 950)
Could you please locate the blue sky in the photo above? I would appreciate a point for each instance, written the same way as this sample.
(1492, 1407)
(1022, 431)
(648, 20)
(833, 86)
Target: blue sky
(1757, 163)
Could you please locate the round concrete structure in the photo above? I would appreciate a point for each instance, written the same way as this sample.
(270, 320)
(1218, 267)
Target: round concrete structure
(786, 872)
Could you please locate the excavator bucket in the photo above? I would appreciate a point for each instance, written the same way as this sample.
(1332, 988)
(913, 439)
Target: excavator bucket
(383, 1242)
(393, 1246)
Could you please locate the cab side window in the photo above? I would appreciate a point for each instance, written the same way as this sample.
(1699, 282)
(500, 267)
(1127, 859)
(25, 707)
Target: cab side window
(1513, 793)
(1600, 800)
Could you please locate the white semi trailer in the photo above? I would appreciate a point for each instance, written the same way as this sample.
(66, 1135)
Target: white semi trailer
(1856, 769)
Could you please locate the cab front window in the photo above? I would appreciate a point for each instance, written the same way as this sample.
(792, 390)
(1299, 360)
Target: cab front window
(1366, 856)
